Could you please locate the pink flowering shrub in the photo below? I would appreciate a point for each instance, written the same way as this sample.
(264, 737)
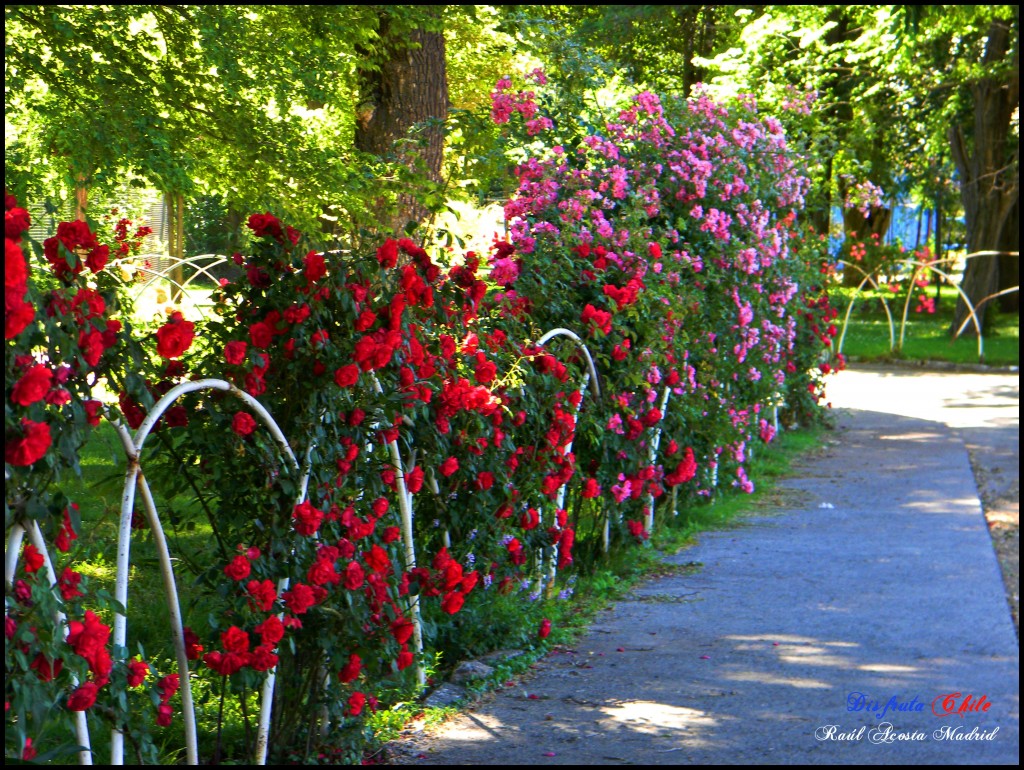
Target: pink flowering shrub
(664, 235)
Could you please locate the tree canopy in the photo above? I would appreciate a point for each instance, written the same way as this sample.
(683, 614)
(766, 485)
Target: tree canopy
(262, 105)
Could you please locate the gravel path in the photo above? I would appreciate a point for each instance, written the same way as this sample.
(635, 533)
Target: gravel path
(829, 631)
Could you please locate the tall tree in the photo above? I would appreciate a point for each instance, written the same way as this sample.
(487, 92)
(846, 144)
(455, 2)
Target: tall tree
(987, 156)
(403, 86)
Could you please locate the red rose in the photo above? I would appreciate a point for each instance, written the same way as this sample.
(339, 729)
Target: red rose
(88, 639)
(16, 221)
(545, 629)
(299, 599)
(484, 480)
(449, 466)
(346, 376)
(32, 385)
(243, 424)
(271, 630)
(137, 671)
(453, 602)
(167, 686)
(17, 315)
(591, 488)
(565, 542)
(377, 559)
(315, 267)
(307, 518)
(414, 480)
(234, 352)
(356, 702)
(402, 629)
(163, 715)
(261, 335)
(263, 593)
(264, 225)
(175, 337)
(684, 472)
(193, 649)
(322, 571)
(235, 640)
(32, 558)
(31, 446)
(404, 659)
(238, 568)
(45, 669)
(68, 584)
(92, 345)
(485, 370)
(97, 258)
(84, 697)
(92, 411)
(354, 576)
(387, 253)
(652, 417)
(263, 658)
(350, 671)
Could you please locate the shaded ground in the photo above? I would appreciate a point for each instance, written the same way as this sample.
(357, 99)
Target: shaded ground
(877, 577)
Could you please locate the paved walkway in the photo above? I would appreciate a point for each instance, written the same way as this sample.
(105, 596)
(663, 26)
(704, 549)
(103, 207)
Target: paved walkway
(877, 578)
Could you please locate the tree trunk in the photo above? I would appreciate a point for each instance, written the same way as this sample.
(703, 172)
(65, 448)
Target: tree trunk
(408, 86)
(1009, 264)
(988, 171)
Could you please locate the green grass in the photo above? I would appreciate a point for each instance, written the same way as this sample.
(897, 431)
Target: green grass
(926, 336)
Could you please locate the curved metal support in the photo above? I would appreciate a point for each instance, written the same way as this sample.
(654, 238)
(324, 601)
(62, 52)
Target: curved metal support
(133, 479)
(13, 553)
(652, 455)
(582, 346)
(406, 509)
(552, 566)
(11, 558)
(267, 691)
(591, 376)
(173, 604)
(213, 260)
(846, 319)
(971, 309)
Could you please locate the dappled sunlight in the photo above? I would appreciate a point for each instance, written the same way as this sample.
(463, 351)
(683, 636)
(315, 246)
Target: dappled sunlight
(476, 727)
(653, 718)
(942, 505)
(887, 668)
(920, 436)
(762, 677)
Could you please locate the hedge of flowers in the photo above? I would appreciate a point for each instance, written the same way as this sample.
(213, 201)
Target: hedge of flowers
(665, 241)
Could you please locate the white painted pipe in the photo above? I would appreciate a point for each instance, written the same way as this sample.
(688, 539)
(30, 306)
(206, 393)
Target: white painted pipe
(35, 537)
(653, 454)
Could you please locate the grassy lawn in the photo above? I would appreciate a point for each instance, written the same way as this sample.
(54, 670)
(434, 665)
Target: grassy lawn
(925, 336)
